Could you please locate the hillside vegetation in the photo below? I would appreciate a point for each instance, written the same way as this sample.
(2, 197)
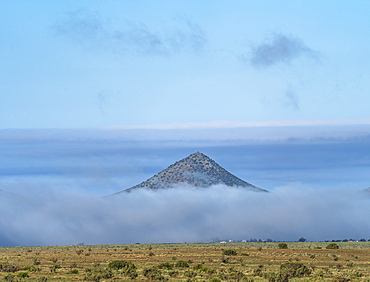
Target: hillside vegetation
(196, 170)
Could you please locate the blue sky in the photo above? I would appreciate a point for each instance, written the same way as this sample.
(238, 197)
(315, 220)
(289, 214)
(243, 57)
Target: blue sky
(93, 64)
(98, 96)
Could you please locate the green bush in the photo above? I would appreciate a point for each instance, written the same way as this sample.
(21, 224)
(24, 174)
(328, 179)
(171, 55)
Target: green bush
(22, 274)
(332, 246)
(182, 264)
(231, 274)
(153, 273)
(282, 246)
(118, 264)
(10, 278)
(165, 265)
(190, 273)
(288, 270)
(295, 269)
(235, 274)
(173, 273)
(54, 267)
(9, 268)
(229, 253)
(97, 274)
(74, 271)
(32, 268)
(127, 268)
(258, 271)
(276, 277)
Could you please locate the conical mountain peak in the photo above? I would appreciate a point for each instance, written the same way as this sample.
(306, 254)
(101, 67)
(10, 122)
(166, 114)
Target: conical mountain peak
(196, 170)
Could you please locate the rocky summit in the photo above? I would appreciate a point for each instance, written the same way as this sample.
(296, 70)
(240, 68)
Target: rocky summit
(196, 170)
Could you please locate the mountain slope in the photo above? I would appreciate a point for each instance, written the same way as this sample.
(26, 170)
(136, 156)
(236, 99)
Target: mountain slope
(197, 170)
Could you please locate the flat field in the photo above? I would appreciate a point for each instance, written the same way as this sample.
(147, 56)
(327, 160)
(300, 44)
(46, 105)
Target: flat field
(188, 262)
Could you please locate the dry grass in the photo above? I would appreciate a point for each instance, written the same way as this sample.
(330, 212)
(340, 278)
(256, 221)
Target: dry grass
(206, 261)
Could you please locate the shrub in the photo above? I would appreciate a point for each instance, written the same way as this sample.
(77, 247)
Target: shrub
(9, 268)
(119, 264)
(258, 271)
(10, 277)
(288, 270)
(54, 267)
(55, 259)
(173, 273)
(182, 264)
(235, 274)
(97, 274)
(355, 274)
(276, 277)
(229, 252)
(341, 279)
(332, 246)
(231, 274)
(74, 271)
(153, 273)
(294, 269)
(31, 268)
(165, 265)
(190, 273)
(79, 252)
(207, 270)
(127, 268)
(22, 274)
(282, 246)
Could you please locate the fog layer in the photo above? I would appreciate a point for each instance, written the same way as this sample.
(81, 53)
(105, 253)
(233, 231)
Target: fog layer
(52, 185)
(184, 214)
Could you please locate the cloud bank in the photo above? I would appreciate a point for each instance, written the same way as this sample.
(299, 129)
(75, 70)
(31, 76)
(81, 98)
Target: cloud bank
(183, 214)
(52, 182)
(279, 49)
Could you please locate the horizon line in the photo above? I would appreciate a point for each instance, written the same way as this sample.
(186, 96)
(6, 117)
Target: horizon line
(243, 124)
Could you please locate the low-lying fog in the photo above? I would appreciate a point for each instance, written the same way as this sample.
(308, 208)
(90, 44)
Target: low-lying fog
(184, 214)
(53, 183)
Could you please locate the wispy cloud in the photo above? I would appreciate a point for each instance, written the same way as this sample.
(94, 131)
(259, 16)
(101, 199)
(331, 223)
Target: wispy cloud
(81, 25)
(292, 100)
(278, 49)
(139, 38)
(89, 29)
(191, 37)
